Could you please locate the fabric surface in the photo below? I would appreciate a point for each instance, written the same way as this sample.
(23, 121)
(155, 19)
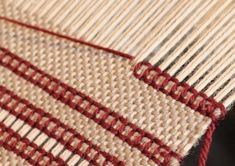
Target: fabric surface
(191, 40)
(101, 75)
(9, 158)
(64, 101)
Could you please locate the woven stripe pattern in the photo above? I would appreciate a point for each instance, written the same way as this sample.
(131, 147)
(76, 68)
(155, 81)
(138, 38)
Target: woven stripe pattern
(107, 79)
(191, 40)
(64, 101)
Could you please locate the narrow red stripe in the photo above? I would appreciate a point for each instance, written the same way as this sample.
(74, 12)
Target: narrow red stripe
(115, 52)
(29, 151)
(186, 94)
(51, 126)
(204, 107)
(161, 81)
(110, 120)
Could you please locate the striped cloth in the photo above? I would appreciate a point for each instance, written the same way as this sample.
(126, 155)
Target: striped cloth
(95, 101)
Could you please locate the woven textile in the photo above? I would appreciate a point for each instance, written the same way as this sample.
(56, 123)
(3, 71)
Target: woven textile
(64, 101)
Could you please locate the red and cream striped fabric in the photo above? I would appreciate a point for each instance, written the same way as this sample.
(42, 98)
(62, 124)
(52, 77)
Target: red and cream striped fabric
(64, 101)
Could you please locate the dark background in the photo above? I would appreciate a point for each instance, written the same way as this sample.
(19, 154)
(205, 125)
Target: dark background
(222, 151)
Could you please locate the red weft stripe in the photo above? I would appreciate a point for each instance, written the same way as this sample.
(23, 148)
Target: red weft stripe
(43, 121)
(115, 52)
(149, 145)
(29, 151)
(186, 94)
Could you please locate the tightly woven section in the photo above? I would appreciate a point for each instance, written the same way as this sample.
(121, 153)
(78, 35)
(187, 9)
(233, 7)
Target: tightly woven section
(108, 79)
(136, 123)
(51, 130)
(193, 40)
(8, 158)
(74, 119)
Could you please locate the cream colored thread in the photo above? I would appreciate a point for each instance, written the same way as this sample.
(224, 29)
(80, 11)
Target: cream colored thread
(92, 18)
(226, 90)
(79, 21)
(53, 11)
(131, 25)
(219, 54)
(143, 29)
(66, 22)
(61, 15)
(199, 44)
(34, 8)
(108, 33)
(66, 154)
(25, 4)
(104, 37)
(216, 70)
(109, 80)
(18, 3)
(204, 23)
(11, 159)
(88, 128)
(104, 19)
(206, 52)
(45, 8)
(159, 34)
(167, 23)
(32, 133)
(7, 2)
(229, 100)
(184, 30)
(113, 5)
(125, 23)
(226, 76)
(121, 13)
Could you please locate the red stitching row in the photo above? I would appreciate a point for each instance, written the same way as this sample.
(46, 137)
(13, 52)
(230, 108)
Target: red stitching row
(115, 52)
(168, 85)
(182, 92)
(38, 118)
(29, 151)
(188, 95)
(111, 121)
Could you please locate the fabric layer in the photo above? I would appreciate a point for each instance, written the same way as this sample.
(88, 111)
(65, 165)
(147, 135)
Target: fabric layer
(109, 80)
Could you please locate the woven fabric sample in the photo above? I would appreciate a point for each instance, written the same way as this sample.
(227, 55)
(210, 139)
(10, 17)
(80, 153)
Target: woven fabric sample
(64, 101)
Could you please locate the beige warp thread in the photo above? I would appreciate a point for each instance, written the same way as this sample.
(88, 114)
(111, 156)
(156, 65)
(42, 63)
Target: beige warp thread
(192, 40)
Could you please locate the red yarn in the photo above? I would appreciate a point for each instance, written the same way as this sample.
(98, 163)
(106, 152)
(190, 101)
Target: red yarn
(81, 41)
(206, 145)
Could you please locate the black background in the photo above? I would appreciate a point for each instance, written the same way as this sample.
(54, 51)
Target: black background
(222, 151)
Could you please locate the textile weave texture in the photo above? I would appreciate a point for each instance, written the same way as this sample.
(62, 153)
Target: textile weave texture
(64, 101)
(107, 79)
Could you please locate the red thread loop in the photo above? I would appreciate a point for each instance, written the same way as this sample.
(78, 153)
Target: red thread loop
(186, 94)
(206, 145)
(180, 91)
(108, 119)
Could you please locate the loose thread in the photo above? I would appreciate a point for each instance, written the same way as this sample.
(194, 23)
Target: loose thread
(206, 145)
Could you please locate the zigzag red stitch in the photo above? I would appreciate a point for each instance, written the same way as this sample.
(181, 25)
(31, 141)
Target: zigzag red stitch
(111, 121)
(182, 92)
(67, 136)
(29, 151)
